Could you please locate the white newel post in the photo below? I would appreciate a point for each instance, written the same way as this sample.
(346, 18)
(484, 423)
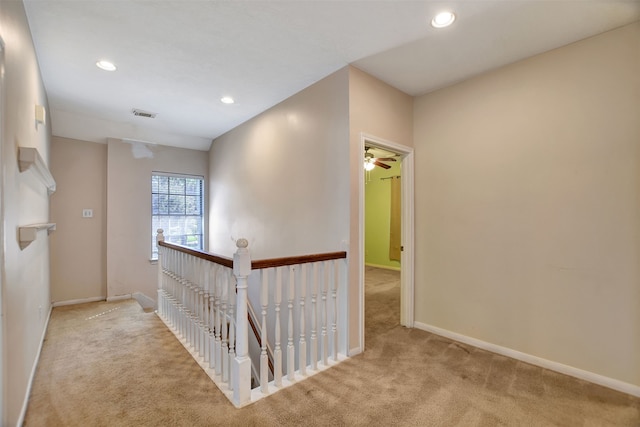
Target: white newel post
(160, 238)
(242, 363)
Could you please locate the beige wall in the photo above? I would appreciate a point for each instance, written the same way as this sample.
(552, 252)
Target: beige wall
(25, 293)
(129, 168)
(380, 110)
(281, 179)
(527, 206)
(79, 246)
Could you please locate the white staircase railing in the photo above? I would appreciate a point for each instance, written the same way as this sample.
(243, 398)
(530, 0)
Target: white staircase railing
(204, 300)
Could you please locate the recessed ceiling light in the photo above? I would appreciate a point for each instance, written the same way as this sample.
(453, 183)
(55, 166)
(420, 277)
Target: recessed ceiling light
(443, 19)
(227, 100)
(106, 65)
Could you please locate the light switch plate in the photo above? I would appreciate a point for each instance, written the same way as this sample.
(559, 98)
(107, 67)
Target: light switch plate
(87, 213)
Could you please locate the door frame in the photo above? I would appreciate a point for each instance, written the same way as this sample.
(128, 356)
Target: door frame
(2, 232)
(407, 258)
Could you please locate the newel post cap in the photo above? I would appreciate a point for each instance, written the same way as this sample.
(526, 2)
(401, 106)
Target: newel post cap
(160, 235)
(242, 259)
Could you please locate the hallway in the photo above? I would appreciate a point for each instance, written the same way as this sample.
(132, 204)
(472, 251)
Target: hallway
(112, 364)
(382, 302)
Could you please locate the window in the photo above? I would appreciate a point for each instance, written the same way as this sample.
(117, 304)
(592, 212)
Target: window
(176, 206)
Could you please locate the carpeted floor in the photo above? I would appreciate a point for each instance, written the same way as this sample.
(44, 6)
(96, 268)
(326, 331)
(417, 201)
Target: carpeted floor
(112, 364)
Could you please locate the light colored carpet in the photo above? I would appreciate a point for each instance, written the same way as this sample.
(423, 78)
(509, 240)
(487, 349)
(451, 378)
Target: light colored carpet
(112, 364)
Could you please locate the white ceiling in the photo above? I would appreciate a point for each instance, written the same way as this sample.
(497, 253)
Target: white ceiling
(178, 58)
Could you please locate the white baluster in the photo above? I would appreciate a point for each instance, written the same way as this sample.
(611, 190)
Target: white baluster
(183, 297)
(232, 329)
(201, 307)
(169, 290)
(192, 292)
(225, 327)
(194, 303)
(325, 340)
(174, 293)
(180, 295)
(219, 320)
(177, 289)
(212, 332)
(242, 362)
(212, 321)
(200, 322)
(302, 345)
(314, 318)
(291, 356)
(334, 296)
(264, 356)
(205, 311)
(277, 352)
(161, 280)
(205, 327)
(197, 306)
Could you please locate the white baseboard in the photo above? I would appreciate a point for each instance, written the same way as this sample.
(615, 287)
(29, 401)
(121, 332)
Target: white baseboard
(119, 298)
(77, 301)
(386, 267)
(144, 301)
(354, 351)
(25, 401)
(592, 377)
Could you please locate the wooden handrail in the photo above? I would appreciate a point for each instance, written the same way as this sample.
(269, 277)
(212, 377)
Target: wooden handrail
(302, 259)
(257, 264)
(227, 262)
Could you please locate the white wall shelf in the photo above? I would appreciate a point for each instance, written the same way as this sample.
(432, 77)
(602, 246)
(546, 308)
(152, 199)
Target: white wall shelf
(29, 158)
(28, 233)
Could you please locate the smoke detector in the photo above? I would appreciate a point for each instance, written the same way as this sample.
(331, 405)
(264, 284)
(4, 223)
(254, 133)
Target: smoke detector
(142, 113)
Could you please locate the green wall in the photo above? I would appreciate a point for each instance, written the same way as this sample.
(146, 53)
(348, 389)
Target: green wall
(376, 217)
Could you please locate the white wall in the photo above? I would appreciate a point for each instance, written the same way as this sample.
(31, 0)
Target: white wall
(129, 169)
(527, 206)
(25, 285)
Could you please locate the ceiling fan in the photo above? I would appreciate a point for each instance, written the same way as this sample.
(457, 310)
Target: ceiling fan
(370, 161)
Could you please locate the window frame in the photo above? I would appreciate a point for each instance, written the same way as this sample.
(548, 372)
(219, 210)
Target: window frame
(201, 178)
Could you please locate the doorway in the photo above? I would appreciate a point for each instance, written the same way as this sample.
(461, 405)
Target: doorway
(404, 156)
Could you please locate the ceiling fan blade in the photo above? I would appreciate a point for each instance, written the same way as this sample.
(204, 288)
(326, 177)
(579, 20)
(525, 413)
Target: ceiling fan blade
(386, 159)
(382, 165)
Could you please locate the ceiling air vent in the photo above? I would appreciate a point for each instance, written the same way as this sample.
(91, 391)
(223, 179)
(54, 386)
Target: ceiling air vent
(142, 113)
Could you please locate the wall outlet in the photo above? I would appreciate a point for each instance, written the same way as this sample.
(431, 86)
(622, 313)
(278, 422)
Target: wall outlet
(87, 213)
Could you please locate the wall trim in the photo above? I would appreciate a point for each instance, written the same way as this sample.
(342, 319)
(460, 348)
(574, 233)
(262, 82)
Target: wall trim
(144, 301)
(354, 351)
(32, 375)
(386, 267)
(77, 301)
(119, 297)
(591, 377)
